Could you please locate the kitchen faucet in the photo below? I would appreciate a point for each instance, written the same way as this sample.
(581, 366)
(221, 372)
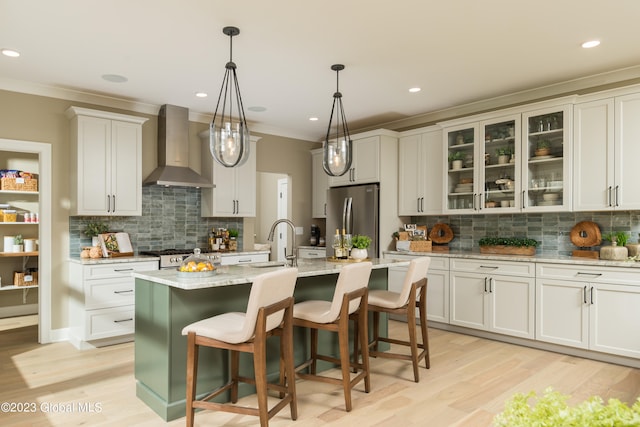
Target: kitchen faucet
(292, 257)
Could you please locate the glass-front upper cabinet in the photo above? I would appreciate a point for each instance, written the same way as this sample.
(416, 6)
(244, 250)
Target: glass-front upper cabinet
(483, 173)
(461, 190)
(501, 151)
(546, 171)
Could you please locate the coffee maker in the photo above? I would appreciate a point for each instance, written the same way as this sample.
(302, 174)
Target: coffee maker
(315, 235)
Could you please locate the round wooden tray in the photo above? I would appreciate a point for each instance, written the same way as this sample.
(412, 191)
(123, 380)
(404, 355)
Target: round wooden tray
(441, 233)
(586, 234)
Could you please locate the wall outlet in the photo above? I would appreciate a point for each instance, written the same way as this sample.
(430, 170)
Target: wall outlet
(299, 231)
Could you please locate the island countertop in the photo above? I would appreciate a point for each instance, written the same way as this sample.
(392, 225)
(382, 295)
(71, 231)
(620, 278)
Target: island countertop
(246, 273)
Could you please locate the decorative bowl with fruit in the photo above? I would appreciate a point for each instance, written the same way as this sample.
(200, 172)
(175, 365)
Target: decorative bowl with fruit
(196, 265)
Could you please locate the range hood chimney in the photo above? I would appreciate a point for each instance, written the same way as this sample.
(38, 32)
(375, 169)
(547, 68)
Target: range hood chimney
(173, 151)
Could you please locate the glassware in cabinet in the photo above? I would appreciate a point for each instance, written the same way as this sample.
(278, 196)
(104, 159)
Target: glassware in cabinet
(547, 145)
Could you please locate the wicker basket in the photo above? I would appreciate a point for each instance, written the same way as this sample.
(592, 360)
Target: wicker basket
(420, 246)
(19, 184)
(19, 278)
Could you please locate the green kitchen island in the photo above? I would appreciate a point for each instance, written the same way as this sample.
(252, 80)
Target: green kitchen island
(165, 303)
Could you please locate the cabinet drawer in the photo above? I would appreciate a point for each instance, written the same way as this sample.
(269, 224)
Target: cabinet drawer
(103, 293)
(437, 262)
(510, 268)
(243, 259)
(587, 273)
(121, 269)
(312, 253)
(109, 322)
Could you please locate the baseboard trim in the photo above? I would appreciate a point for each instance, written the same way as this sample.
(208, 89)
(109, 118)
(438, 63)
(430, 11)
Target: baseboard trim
(18, 310)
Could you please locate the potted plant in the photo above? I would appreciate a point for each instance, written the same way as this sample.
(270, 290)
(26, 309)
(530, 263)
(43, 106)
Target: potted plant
(504, 154)
(18, 243)
(617, 251)
(93, 229)
(543, 147)
(508, 245)
(456, 159)
(233, 239)
(360, 244)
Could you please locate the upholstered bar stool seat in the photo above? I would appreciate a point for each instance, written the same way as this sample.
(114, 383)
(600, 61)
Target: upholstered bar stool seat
(412, 295)
(269, 313)
(349, 301)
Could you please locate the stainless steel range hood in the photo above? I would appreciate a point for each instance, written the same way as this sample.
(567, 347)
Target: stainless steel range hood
(173, 151)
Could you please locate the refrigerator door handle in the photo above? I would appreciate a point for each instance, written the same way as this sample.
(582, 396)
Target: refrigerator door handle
(347, 215)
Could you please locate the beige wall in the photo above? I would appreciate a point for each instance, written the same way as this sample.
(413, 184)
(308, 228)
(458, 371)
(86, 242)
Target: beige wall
(42, 119)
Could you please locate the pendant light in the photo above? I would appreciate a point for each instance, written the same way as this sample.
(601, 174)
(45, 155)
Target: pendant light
(336, 159)
(229, 139)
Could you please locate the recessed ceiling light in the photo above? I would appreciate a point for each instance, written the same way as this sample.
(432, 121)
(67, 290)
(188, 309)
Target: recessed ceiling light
(201, 94)
(257, 109)
(590, 43)
(10, 53)
(415, 89)
(114, 78)
(313, 119)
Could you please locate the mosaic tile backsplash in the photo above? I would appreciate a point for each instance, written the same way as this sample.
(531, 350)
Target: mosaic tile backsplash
(551, 230)
(170, 219)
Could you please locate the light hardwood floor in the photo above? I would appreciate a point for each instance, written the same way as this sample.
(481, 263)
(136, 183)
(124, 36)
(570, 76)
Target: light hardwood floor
(469, 380)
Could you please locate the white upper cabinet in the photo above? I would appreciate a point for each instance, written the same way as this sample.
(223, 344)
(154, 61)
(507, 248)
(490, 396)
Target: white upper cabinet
(365, 163)
(546, 160)
(234, 189)
(607, 131)
(106, 163)
(320, 184)
(509, 161)
(420, 173)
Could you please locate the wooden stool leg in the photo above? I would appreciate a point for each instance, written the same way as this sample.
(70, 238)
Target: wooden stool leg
(192, 371)
(424, 327)
(411, 321)
(343, 344)
(260, 369)
(288, 367)
(235, 364)
(376, 329)
(314, 350)
(364, 345)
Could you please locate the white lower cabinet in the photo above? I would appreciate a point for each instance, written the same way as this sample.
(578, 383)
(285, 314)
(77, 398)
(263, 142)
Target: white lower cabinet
(102, 309)
(319, 252)
(589, 307)
(243, 258)
(437, 285)
(493, 296)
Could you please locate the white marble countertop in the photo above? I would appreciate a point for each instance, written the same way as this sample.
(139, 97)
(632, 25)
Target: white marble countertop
(240, 274)
(137, 258)
(536, 258)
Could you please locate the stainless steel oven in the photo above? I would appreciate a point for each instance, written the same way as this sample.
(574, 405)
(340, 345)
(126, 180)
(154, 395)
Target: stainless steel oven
(172, 258)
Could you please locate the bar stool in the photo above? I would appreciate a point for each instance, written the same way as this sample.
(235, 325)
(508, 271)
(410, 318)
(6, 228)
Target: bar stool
(404, 303)
(349, 301)
(269, 313)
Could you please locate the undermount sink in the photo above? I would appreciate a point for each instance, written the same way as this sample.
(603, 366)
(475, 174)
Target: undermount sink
(267, 264)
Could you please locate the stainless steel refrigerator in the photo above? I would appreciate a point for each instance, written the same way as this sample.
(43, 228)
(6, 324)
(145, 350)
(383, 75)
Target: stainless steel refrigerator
(354, 208)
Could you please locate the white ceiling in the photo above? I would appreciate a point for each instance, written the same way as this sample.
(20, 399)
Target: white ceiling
(457, 51)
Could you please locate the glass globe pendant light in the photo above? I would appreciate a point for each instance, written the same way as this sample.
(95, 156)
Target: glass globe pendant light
(229, 138)
(336, 159)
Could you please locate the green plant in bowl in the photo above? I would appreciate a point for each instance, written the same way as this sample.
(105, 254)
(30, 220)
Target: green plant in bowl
(234, 232)
(543, 144)
(94, 228)
(620, 237)
(456, 155)
(361, 241)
